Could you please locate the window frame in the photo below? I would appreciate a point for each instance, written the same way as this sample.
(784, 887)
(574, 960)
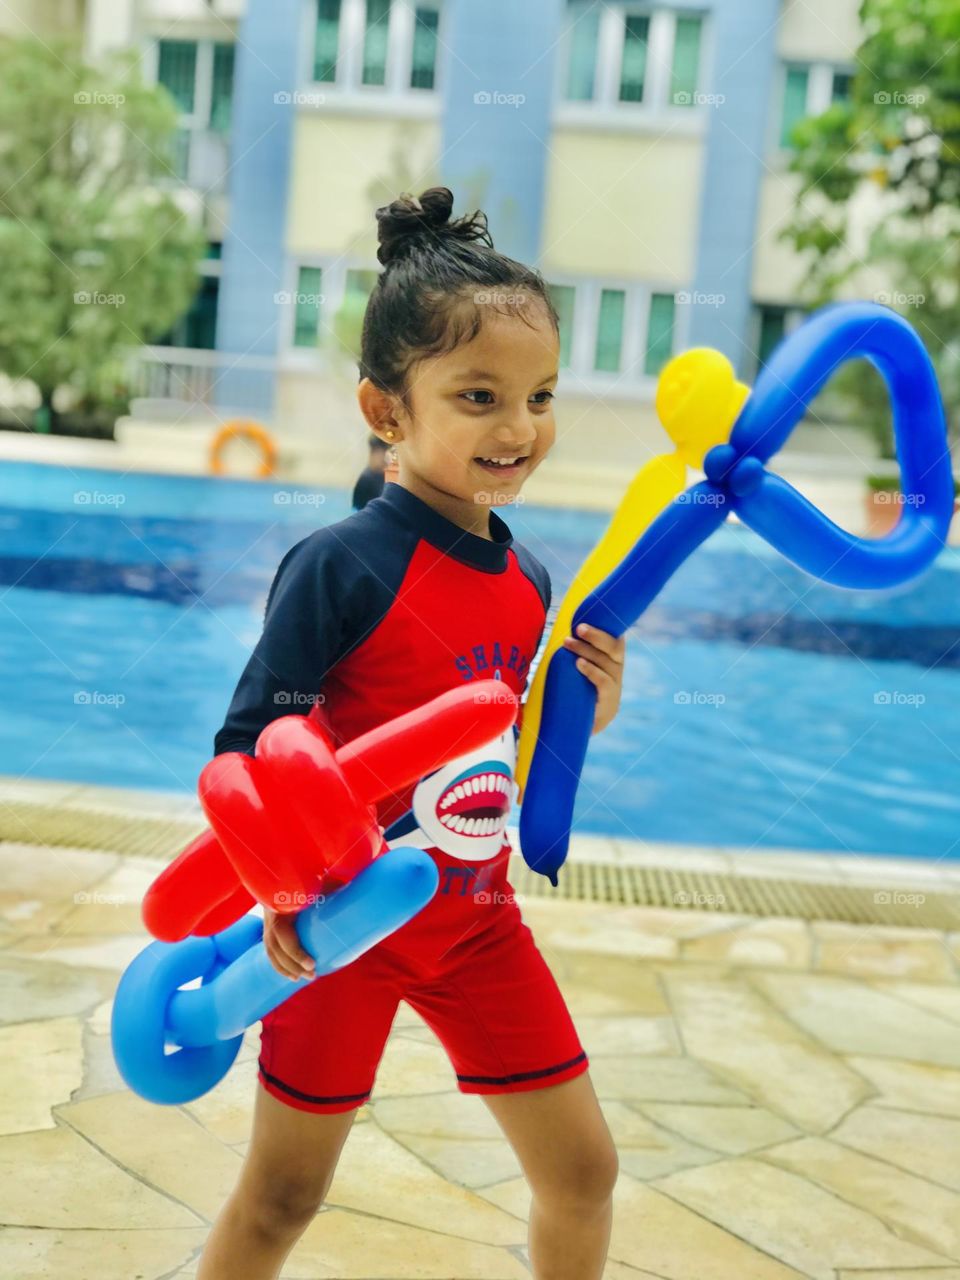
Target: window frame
(347, 92)
(605, 109)
(820, 75)
(333, 268)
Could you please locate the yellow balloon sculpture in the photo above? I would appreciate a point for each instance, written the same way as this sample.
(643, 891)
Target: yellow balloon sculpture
(698, 400)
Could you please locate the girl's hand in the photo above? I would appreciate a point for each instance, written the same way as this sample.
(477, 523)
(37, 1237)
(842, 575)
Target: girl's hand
(601, 661)
(284, 948)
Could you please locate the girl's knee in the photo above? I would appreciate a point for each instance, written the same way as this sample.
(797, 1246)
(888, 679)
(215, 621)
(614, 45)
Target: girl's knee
(282, 1202)
(586, 1180)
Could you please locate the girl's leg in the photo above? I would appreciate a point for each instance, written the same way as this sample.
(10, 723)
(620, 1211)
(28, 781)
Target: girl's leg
(285, 1177)
(563, 1144)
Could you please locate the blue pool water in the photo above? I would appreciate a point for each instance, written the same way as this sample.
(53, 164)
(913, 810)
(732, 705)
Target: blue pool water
(760, 707)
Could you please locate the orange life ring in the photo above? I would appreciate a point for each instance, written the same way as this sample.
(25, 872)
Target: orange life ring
(251, 431)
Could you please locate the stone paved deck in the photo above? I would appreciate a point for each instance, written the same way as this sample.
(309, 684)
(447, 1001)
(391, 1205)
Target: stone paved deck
(785, 1098)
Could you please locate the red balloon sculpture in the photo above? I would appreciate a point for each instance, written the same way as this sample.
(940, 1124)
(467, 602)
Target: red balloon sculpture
(299, 819)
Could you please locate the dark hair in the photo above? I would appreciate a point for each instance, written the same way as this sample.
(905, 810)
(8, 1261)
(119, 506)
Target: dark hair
(425, 302)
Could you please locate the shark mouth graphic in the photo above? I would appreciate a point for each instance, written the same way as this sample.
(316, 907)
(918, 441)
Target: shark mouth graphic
(477, 801)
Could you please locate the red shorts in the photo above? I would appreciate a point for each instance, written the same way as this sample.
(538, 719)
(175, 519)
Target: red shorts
(468, 964)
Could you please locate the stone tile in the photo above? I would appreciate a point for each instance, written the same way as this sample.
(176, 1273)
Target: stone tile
(944, 1001)
(873, 951)
(850, 1017)
(727, 1026)
(774, 943)
(914, 1208)
(459, 1116)
(911, 1086)
(409, 1067)
(37, 884)
(730, 1130)
(707, 859)
(113, 905)
(340, 1245)
(403, 1190)
(786, 1216)
(49, 991)
(112, 954)
(161, 1145)
(620, 985)
(227, 1111)
(31, 1254)
(653, 1232)
(781, 864)
(922, 1273)
(622, 1035)
(41, 1063)
(471, 1164)
(53, 1178)
(660, 1080)
(928, 1146)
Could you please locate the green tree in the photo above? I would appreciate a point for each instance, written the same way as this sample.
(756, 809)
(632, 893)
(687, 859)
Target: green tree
(98, 255)
(899, 131)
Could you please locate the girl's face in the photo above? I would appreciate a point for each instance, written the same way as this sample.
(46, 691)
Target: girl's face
(481, 417)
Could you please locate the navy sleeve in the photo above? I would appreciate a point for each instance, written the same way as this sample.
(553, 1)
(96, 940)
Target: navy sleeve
(306, 630)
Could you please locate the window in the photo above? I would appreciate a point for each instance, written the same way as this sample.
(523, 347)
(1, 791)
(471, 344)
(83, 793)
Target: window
(808, 89)
(634, 65)
(582, 60)
(396, 52)
(659, 333)
(326, 41)
(563, 296)
(197, 327)
(609, 331)
(794, 102)
(773, 321)
(306, 324)
(686, 62)
(624, 54)
(423, 70)
(198, 74)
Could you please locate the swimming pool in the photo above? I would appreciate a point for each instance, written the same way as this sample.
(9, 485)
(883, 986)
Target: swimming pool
(760, 707)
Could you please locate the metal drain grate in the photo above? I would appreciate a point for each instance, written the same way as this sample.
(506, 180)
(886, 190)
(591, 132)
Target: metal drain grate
(741, 894)
(117, 832)
(104, 829)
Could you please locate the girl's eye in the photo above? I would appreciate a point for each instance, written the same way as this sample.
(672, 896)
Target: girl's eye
(465, 394)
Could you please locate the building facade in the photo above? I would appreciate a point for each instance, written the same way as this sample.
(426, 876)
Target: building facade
(636, 153)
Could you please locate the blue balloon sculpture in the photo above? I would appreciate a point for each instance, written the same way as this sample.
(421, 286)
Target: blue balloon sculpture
(204, 1026)
(738, 481)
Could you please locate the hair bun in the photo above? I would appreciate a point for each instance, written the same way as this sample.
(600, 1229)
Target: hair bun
(409, 221)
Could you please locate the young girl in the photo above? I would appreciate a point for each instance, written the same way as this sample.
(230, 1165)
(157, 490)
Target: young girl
(422, 589)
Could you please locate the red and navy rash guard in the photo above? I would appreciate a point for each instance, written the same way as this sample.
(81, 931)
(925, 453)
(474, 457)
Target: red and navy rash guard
(378, 613)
